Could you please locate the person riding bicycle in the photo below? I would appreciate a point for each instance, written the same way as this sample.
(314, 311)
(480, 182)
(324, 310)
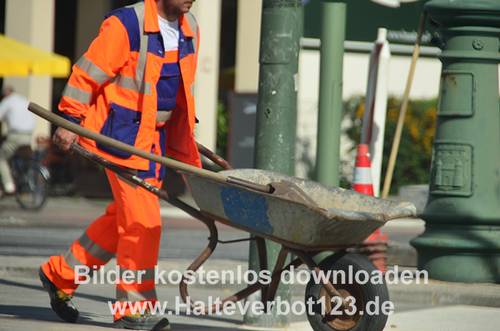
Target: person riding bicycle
(20, 124)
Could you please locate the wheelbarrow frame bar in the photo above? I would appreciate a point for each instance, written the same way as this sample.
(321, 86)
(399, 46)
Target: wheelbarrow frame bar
(268, 291)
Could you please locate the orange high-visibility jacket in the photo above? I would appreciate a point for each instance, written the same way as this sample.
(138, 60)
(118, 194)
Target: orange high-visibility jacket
(112, 89)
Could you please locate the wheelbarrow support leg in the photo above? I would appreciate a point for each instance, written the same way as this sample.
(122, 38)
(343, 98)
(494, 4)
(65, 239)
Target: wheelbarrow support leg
(255, 287)
(278, 270)
(262, 251)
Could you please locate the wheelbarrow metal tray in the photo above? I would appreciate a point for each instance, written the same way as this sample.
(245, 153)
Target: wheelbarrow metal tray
(328, 218)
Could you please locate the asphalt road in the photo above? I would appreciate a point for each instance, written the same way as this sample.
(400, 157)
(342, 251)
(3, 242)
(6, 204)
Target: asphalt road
(63, 220)
(51, 231)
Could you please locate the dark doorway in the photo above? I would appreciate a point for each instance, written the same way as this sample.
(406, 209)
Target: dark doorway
(64, 40)
(122, 3)
(60, 165)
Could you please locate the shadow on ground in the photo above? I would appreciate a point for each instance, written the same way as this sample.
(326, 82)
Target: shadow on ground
(26, 316)
(32, 314)
(44, 314)
(40, 288)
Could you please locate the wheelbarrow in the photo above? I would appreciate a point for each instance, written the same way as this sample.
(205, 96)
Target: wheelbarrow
(304, 217)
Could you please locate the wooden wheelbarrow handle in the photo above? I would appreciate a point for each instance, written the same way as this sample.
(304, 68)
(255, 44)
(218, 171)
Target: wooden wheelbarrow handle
(173, 164)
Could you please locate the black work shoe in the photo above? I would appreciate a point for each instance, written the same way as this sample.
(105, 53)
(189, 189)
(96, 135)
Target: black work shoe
(143, 322)
(59, 301)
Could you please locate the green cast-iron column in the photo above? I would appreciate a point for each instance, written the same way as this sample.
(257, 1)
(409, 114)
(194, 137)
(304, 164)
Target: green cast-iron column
(277, 114)
(462, 238)
(330, 96)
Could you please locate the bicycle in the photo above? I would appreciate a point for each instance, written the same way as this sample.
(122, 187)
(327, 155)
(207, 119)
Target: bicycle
(31, 178)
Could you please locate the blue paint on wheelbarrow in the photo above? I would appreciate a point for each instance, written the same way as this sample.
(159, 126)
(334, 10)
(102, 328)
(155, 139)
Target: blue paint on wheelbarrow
(246, 208)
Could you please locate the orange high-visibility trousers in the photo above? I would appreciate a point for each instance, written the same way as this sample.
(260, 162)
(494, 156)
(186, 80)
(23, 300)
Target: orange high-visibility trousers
(130, 229)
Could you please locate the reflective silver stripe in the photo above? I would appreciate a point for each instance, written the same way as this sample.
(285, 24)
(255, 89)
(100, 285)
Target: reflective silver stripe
(163, 116)
(131, 84)
(77, 94)
(94, 249)
(363, 175)
(145, 274)
(194, 26)
(71, 260)
(133, 296)
(140, 71)
(92, 70)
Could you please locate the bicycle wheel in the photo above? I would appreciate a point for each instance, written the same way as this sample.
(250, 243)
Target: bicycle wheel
(32, 187)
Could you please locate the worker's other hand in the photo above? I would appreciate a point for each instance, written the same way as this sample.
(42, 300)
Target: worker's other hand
(64, 138)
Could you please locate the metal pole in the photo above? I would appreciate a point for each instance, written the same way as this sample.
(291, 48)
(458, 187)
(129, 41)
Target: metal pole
(363, 47)
(276, 115)
(380, 94)
(461, 242)
(330, 95)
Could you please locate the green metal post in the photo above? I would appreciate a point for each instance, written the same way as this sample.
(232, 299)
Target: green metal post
(461, 242)
(277, 115)
(330, 95)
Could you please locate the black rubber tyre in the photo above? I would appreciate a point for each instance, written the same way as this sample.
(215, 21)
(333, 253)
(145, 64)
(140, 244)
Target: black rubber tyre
(363, 294)
(32, 187)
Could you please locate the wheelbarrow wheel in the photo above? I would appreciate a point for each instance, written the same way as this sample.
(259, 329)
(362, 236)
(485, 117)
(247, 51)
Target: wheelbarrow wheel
(364, 301)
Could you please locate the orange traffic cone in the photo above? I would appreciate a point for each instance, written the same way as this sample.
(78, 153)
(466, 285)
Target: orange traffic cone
(375, 246)
(362, 182)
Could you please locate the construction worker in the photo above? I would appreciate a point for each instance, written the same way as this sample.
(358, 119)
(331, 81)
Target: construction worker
(134, 84)
(20, 124)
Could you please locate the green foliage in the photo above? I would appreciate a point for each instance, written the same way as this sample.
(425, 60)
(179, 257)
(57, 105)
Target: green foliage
(222, 129)
(414, 158)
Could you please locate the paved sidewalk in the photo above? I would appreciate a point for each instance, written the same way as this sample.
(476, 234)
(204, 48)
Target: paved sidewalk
(452, 318)
(437, 306)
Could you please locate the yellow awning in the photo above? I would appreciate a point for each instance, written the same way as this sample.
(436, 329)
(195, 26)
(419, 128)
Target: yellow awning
(18, 59)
